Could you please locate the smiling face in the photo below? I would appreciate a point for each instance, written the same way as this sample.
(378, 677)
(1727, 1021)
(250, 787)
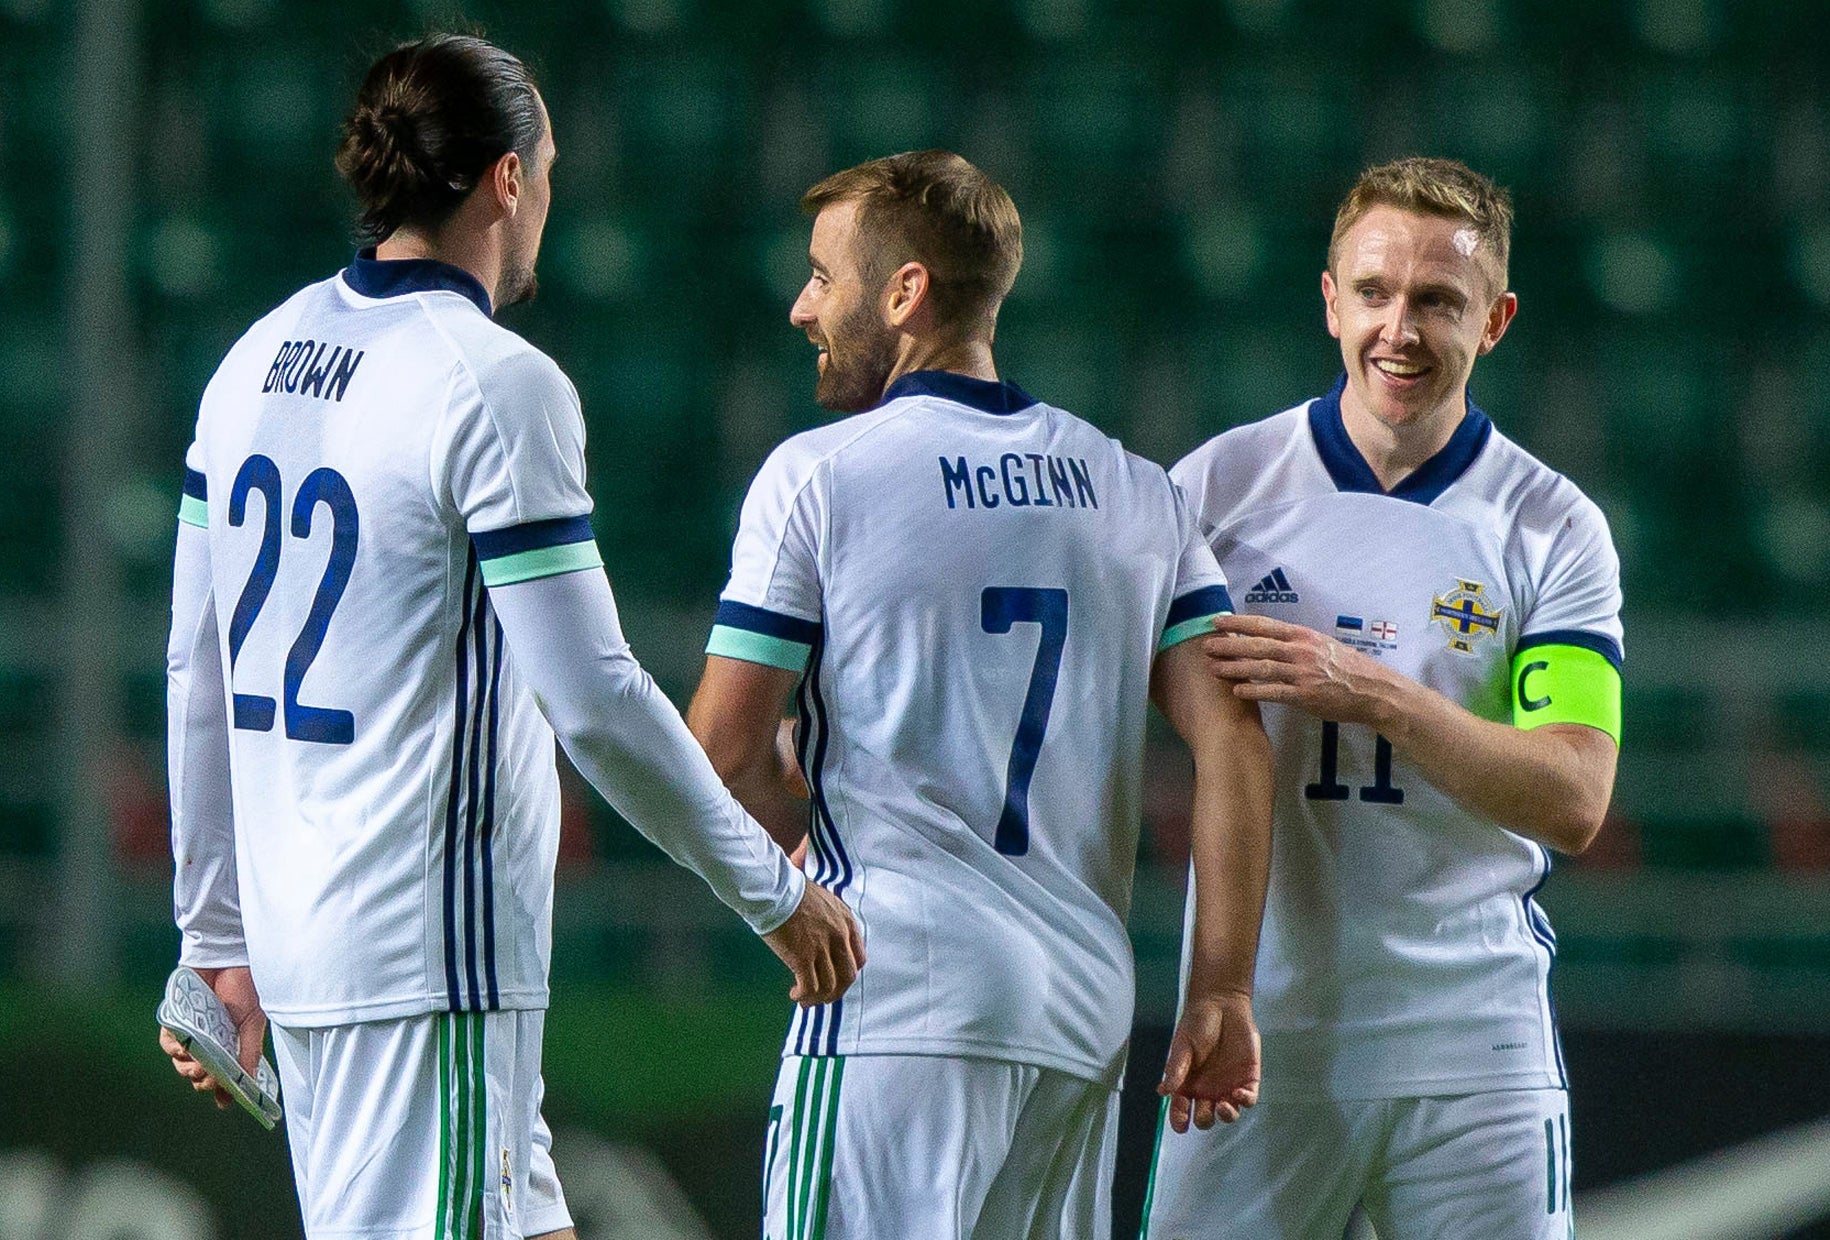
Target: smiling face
(1412, 299)
(842, 313)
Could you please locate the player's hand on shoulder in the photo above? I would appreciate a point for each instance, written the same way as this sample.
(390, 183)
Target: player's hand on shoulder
(821, 944)
(1268, 660)
(1213, 1068)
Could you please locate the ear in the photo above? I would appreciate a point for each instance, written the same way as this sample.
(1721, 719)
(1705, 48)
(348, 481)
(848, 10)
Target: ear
(1329, 293)
(1498, 319)
(505, 183)
(905, 293)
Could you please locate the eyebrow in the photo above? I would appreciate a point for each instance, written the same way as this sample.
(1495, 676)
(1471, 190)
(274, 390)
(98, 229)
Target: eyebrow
(1440, 289)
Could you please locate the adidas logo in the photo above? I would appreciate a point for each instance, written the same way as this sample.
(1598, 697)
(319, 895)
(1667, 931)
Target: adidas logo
(1273, 589)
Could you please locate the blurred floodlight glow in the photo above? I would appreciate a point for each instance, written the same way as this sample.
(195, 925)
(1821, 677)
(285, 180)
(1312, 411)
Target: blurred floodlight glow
(599, 259)
(1795, 534)
(1682, 27)
(185, 258)
(1263, 17)
(239, 13)
(852, 18)
(1054, 19)
(1633, 273)
(1459, 25)
(1225, 247)
(1810, 260)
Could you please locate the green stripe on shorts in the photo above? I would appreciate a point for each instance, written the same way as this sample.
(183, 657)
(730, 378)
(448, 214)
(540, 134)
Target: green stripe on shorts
(444, 1124)
(794, 1142)
(811, 1146)
(1156, 1155)
(462, 1110)
(828, 1143)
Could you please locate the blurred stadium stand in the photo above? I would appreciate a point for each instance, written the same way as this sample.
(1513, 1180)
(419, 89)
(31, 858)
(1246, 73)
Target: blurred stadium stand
(1177, 163)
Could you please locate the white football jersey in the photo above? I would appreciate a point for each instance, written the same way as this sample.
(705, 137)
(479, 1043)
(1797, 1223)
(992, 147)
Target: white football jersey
(396, 806)
(1402, 953)
(976, 585)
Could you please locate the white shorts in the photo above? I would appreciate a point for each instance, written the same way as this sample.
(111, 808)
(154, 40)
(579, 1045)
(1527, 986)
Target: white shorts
(1451, 1168)
(868, 1147)
(424, 1128)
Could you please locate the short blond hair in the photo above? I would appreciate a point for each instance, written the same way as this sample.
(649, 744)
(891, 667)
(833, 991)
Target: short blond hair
(1441, 187)
(934, 208)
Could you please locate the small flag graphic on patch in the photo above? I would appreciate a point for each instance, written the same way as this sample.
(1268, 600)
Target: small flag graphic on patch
(1384, 630)
(1353, 624)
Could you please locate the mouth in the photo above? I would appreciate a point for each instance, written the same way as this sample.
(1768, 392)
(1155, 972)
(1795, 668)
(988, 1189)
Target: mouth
(1398, 372)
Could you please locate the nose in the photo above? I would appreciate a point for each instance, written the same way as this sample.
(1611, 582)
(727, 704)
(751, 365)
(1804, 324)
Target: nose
(801, 312)
(1398, 329)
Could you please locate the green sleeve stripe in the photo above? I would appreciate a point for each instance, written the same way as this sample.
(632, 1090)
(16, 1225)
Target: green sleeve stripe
(730, 643)
(540, 562)
(194, 511)
(1565, 684)
(1198, 626)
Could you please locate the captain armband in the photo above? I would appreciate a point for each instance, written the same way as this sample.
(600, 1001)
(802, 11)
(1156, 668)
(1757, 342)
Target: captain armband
(1569, 677)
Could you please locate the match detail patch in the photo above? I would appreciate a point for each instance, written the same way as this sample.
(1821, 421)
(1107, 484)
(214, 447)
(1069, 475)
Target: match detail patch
(536, 549)
(1567, 677)
(757, 635)
(1192, 615)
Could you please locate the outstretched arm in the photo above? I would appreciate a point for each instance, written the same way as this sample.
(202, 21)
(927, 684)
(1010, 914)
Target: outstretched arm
(1550, 783)
(627, 739)
(1213, 1066)
(205, 901)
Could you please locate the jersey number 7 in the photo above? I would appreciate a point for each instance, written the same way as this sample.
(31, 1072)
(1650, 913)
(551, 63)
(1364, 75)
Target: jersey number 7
(1001, 607)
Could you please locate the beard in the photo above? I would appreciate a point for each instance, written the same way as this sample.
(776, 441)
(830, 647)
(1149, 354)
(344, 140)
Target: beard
(860, 353)
(518, 284)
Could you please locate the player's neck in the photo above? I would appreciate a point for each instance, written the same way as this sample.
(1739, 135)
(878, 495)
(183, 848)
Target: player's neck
(971, 358)
(456, 247)
(1395, 452)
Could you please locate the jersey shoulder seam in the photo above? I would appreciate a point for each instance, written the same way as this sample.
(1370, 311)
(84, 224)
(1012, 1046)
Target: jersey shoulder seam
(462, 361)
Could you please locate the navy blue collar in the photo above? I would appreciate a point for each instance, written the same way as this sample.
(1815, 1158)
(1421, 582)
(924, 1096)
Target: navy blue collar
(1429, 480)
(984, 395)
(395, 277)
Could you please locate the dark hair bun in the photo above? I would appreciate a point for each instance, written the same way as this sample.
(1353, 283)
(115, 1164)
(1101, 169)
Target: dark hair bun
(431, 118)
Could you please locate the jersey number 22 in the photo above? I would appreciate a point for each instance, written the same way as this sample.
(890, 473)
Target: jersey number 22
(253, 711)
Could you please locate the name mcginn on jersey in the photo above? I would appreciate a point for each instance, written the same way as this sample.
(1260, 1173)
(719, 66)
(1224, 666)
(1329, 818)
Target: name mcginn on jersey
(300, 367)
(1025, 480)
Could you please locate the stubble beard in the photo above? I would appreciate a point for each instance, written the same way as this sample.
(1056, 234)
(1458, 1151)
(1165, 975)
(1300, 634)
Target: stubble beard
(519, 284)
(856, 384)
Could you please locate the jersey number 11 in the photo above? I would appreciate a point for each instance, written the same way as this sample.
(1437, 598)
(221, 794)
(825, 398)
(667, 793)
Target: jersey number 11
(1330, 787)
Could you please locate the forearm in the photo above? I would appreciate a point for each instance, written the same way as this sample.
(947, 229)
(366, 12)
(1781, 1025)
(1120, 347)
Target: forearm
(1543, 784)
(1231, 819)
(1231, 851)
(206, 902)
(756, 771)
(627, 739)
